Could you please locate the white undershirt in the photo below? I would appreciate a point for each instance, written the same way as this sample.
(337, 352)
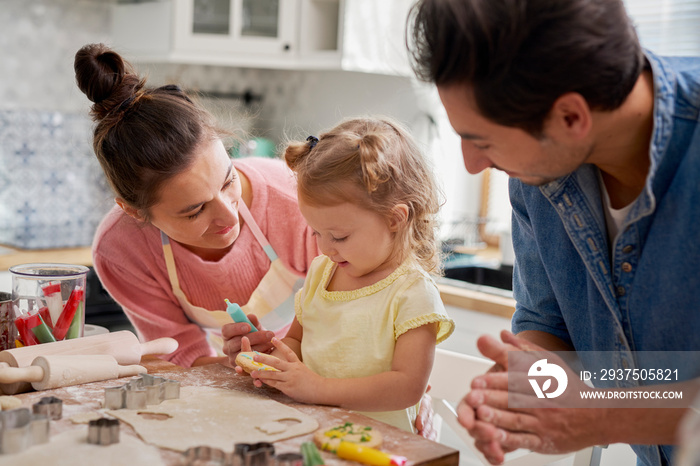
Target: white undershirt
(613, 217)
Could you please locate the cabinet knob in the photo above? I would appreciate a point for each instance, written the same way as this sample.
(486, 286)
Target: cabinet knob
(287, 47)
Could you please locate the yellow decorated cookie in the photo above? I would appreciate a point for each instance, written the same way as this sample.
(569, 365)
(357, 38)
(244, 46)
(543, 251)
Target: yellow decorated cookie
(245, 360)
(8, 402)
(329, 439)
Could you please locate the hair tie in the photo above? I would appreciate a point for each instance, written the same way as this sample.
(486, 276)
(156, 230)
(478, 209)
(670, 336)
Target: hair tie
(174, 88)
(126, 104)
(312, 141)
(171, 88)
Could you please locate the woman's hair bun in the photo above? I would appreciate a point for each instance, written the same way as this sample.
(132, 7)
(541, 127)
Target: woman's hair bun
(104, 77)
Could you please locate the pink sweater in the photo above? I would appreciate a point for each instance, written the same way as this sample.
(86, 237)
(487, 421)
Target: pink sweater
(128, 258)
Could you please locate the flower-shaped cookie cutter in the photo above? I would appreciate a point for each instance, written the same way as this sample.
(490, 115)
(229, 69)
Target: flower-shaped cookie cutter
(20, 429)
(204, 455)
(140, 392)
(103, 431)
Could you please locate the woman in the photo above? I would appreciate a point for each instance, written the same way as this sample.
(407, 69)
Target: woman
(174, 246)
(173, 178)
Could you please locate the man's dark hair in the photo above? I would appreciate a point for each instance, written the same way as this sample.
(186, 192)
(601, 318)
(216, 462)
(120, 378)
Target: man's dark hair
(519, 56)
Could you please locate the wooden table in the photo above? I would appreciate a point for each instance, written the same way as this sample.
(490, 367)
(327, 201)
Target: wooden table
(89, 397)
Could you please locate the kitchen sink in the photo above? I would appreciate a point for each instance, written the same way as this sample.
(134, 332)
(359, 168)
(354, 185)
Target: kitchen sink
(496, 276)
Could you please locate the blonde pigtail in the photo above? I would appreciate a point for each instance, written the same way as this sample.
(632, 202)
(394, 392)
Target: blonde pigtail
(375, 169)
(295, 153)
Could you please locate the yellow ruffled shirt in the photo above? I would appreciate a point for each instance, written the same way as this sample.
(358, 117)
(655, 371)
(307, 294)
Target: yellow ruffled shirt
(349, 334)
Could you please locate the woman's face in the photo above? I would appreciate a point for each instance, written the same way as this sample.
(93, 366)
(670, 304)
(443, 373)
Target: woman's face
(198, 208)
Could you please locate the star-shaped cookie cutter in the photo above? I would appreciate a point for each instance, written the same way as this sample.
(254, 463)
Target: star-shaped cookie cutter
(140, 392)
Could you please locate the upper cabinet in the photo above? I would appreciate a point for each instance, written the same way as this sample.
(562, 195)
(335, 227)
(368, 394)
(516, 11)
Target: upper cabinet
(253, 33)
(357, 35)
(258, 27)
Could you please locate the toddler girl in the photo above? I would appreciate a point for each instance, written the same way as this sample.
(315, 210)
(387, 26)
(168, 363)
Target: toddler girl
(369, 315)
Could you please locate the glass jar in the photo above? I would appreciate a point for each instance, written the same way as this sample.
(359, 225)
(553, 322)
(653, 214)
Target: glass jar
(8, 332)
(48, 302)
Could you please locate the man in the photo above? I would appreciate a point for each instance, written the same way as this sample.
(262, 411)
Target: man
(602, 144)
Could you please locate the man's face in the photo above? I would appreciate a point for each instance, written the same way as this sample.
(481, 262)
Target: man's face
(486, 144)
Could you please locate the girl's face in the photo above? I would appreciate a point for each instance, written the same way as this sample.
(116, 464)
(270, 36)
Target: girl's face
(360, 241)
(199, 207)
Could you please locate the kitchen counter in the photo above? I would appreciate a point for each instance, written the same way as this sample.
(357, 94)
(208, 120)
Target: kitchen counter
(477, 300)
(88, 397)
(10, 256)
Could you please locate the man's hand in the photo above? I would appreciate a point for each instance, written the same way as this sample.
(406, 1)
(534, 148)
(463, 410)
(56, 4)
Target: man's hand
(497, 429)
(486, 435)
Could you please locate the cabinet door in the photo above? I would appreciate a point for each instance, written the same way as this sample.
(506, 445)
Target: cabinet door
(263, 27)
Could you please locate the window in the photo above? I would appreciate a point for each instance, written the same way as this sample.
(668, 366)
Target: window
(667, 27)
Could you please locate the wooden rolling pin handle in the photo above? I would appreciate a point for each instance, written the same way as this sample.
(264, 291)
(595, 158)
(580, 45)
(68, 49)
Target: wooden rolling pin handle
(135, 369)
(165, 345)
(11, 375)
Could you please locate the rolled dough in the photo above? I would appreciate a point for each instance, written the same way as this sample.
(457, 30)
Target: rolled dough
(71, 448)
(215, 417)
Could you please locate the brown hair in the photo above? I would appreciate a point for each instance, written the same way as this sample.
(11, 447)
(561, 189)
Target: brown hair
(519, 56)
(377, 159)
(142, 137)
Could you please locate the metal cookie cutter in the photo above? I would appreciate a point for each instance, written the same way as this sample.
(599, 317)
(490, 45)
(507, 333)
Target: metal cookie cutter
(49, 406)
(203, 455)
(103, 431)
(20, 429)
(141, 391)
(253, 454)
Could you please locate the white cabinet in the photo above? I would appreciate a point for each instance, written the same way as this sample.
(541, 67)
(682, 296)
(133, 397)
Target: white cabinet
(235, 26)
(256, 33)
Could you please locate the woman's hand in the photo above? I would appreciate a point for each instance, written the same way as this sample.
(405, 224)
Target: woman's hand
(245, 348)
(233, 333)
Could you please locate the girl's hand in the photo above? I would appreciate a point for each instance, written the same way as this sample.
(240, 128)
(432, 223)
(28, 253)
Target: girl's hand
(294, 379)
(233, 335)
(424, 420)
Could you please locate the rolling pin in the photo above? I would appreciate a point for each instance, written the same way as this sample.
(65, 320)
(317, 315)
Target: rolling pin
(56, 371)
(124, 346)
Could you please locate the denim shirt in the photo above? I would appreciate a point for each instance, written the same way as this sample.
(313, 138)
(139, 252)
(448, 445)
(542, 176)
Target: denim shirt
(642, 293)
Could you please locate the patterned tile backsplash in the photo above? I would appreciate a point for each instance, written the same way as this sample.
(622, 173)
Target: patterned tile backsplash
(52, 190)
